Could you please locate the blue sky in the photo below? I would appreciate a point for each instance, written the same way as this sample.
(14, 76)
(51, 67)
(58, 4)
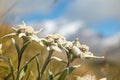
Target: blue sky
(100, 15)
(107, 27)
(56, 12)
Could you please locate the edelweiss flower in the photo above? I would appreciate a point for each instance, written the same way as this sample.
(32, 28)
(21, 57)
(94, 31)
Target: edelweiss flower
(55, 38)
(84, 48)
(24, 30)
(68, 45)
(76, 51)
(80, 51)
(27, 32)
(54, 41)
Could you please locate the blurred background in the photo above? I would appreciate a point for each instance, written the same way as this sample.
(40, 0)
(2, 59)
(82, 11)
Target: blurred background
(95, 22)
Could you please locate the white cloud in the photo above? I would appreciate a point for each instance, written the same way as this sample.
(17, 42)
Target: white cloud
(70, 28)
(92, 10)
(111, 41)
(61, 26)
(70, 22)
(20, 8)
(24, 7)
(50, 26)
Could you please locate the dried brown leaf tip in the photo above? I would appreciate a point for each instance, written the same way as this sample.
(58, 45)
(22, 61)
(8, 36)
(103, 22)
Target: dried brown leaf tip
(0, 49)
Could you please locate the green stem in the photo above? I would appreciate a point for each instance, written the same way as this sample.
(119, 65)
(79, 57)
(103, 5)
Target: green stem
(70, 61)
(18, 69)
(68, 64)
(38, 68)
(10, 64)
(46, 63)
(29, 61)
(11, 67)
(57, 74)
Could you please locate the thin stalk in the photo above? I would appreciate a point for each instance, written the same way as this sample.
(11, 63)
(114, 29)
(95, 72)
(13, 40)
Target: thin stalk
(28, 62)
(57, 74)
(18, 68)
(25, 65)
(68, 64)
(20, 53)
(38, 67)
(70, 61)
(46, 63)
(11, 67)
(10, 64)
(28, 76)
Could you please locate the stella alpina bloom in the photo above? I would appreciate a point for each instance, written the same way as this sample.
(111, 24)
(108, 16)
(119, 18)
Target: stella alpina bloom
(27, 32)
(55, 38)
(84, 48)
(54, 41)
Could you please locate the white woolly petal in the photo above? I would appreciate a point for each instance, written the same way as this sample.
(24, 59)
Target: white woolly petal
(76, 51)
(21, 35)
(57, 49)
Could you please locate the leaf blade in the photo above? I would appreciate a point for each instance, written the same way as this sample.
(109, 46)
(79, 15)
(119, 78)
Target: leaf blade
(67, 72)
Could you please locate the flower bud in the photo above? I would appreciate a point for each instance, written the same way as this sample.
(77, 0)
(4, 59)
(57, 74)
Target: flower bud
(76, 51)
(84, 48)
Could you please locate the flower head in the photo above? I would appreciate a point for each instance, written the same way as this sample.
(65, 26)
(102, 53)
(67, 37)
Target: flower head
(55, 38)
(84, 48)
(53, 41)
(27, 32)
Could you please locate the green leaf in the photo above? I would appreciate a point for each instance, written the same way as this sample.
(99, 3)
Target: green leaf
(63, 75)
(58, 59)
(8, 35)
(27, 62)
(51, 76)
(67, 72)
(16, 46)
(66, 50)
(8, 76)
(14, 29)
(25, 46)
(2, 67)
(38, 67)
(28, 76)
(10, 65)
(43, 42)
(22, 50)
(93, 57)
(23, 72)
(11, 68)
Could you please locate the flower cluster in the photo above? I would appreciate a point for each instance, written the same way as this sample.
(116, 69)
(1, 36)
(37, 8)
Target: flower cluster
(55, 42)
(26, 32)
(75, 49)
